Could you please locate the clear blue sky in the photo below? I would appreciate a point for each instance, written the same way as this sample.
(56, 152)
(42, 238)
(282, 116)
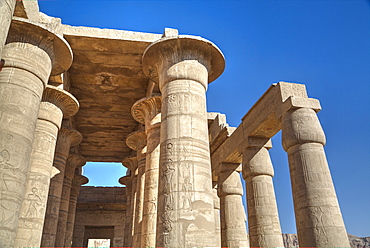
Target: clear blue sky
(324, 44)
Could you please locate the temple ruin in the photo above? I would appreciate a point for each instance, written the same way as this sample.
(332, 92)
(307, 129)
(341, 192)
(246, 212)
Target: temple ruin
(74, 94)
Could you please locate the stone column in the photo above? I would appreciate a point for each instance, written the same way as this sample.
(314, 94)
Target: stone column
(318, 218)
(6, 13)
(183, 66)
(66, 138)
(55, 104)
(216, 206)
(263, 218)
(30, 55)
(147, 111)
(74, 161)
(78, 180)
(131, 164)
(127, 181)
(137, 141)
(230, 191)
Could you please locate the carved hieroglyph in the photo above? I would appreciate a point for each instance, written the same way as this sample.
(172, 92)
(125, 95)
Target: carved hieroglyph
(55, 104)
(147, 111)
(66, 138)
(263, 218)
(230, 191)
(30, 55)
(137, 141)
(74, 161)
(318, 217)
(183, 66)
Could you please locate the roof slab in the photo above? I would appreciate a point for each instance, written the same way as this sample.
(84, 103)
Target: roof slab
(106, 77)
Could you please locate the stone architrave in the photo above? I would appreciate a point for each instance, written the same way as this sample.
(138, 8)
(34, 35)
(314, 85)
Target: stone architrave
(318, 218)
(6, 13)
(216, 204)
(74, 161)
(137, 142)
(66, 138)
(263, 218)
(55, 104)
(147, 111)
(31, 54)
(127, 181)
(183, 66)
(78, 180)
(230, 191)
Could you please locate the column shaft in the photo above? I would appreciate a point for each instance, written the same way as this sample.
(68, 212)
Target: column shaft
(137, 141)
(149, 226)
(147, 111)
(78, 180)
(217, 213)
(183, 66)
(139, 198)
(263, 218)
(318, 217)
(133, 207)
(230, 191)
(127, 180)
(66, 138)
(74, 160)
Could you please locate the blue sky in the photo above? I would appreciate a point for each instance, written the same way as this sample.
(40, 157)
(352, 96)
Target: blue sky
(324, 44)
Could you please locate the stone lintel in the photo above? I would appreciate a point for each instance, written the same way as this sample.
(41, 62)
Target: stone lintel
(57, 47)
(255, 142)
(136, 140)
(231, 167)
(263, 120)
(218, 131)
(62, 99)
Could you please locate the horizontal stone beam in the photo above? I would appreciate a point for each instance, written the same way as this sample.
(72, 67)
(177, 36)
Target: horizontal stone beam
(263, 120)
